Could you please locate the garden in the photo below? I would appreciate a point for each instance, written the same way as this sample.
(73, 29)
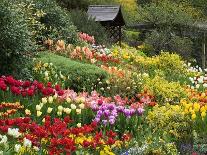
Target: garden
(67, 89)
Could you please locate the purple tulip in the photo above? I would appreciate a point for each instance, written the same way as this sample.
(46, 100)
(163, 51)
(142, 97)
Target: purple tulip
(140, 111)
(104, 122)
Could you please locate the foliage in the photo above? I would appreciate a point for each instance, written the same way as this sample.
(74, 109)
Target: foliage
(171, 120)
(164, 40)
(129, 6)
(58, 24)
(170, 65)
(164, 91)
(169, 18)
(47, 72)
(89, 26)
(82, 76)
(15, 37)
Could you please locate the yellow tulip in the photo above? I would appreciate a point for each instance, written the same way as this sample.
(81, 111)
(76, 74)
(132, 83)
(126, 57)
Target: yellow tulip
(193, 116)
(203, 114)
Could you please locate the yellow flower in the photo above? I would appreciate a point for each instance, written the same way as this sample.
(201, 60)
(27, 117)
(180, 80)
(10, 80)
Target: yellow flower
(46, 64)
(50, 99)
(43, 120)
(49, 110)
(196, 107)
(67, 110)
(38, 107)
(60, 108)
(39, 113)
(193, 116)
(59, 113)
(68, 100)
(203, 114)
(82, 106)
(78, 111)
(202, 109)
(27, 112)
(44, 100)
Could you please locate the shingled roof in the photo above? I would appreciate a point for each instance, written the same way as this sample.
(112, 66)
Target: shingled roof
(107, 13)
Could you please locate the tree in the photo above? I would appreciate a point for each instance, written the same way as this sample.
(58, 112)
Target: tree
(168, 18)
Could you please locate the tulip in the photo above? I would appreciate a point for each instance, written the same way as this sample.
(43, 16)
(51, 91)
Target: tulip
(73, 106)
(49, 110)
(60, 108)
(50, 99)
(38, 107)
(44, 100)
(67, 110)
(39, 113)
(79, 125)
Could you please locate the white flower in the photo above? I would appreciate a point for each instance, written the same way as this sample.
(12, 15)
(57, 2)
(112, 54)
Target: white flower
(73, 106)
(79, 125)
(189, 64)
(200, 69)
(50, 99)
(3, 139)
(46, 74)
(38, 107)
(205, 85)
(60, 108)
(36, 148)
(145, 75)
(14, 132)
(17, 147)
(27, 142)
(200, 80)
(197, 86)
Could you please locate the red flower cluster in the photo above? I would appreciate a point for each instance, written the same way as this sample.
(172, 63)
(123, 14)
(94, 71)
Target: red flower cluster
(27, 88)
(106, 58)
(85, 37)
(56, 132)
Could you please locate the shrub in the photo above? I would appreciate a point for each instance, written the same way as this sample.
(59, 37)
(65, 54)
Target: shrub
(89, 26)
(163, 90)
(171, 65)
(57, 22)
(169, 18)
(15, 38)
(82, 76)
(172, 120)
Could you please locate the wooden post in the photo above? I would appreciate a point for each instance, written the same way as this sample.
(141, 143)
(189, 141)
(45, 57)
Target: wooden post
(204, 51)
(120, 35)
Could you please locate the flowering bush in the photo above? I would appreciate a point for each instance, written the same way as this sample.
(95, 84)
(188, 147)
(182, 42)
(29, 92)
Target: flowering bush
(170, 121)
(165, 91)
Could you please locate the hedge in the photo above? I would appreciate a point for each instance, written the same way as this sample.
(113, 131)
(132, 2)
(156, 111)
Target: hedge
(81, 75)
